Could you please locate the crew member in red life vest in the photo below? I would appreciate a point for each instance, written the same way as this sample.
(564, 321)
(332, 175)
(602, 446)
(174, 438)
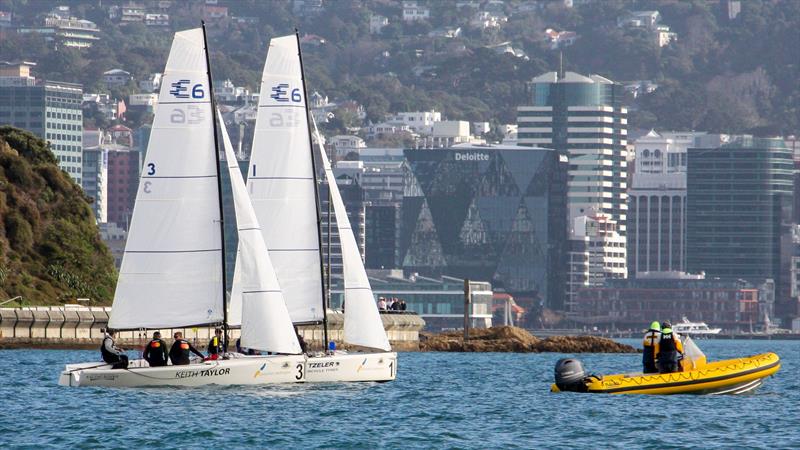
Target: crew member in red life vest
(179, 353)
(155, 352)
(216, 346)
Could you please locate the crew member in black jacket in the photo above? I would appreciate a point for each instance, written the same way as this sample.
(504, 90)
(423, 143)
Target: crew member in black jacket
(155, 352)
(179, 353)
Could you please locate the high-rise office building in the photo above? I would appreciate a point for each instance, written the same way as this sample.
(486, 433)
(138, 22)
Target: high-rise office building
(49, 109)
(739, 205)
(657, 203)
(582, 117)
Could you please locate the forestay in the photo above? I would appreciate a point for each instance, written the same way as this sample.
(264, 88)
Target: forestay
(257, 299)
(171, 274)
(362, 321)
(281, 181)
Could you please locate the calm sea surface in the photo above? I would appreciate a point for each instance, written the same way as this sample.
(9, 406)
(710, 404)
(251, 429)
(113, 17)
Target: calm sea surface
(440, 400)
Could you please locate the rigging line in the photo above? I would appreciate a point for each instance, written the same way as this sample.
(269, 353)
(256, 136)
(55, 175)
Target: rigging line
(317, 202)
(214, 113)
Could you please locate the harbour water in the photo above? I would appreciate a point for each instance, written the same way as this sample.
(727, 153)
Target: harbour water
(439, 400)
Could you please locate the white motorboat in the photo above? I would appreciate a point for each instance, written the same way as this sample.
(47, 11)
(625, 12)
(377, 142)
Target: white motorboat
(283, 188)
(688, 328)
(173, 268)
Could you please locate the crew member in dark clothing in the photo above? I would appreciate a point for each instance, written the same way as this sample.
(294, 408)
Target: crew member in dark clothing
(111, 353)
(670, 349)
(303, 345)
(650, 348)
(216, 346)
(179, 353)
(155, 352)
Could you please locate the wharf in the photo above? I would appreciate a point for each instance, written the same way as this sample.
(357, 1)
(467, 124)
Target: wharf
(80, 327)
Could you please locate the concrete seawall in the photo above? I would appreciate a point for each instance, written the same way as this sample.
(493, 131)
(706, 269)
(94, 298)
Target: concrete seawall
(81, 327)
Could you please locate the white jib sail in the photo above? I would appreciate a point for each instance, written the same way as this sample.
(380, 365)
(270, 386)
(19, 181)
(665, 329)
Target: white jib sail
(171, 274)
(265, 321)
(362, 321)
(281, 181)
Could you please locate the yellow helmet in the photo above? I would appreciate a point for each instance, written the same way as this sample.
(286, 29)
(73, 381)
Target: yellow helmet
(655, 326)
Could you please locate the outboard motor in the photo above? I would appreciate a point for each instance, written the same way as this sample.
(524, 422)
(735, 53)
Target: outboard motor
(570, 374)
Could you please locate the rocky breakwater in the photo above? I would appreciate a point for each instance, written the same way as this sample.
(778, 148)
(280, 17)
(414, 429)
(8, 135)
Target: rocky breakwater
(513, 339)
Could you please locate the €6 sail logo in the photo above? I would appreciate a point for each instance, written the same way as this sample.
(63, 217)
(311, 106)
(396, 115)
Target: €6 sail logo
(280, 93)
(180, 89)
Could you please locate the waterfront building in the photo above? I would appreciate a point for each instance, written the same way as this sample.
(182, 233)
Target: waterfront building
(739, 203)
(353, 199)
(582, 117)
(438, 300)
(95, 180)
(596, 254)
(49, 109)
(631, 304)
(382, 224)
(115, 238)
(487, 212)
(657, 203)
(124, 166)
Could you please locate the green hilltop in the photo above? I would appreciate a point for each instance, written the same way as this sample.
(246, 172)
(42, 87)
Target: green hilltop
(50, 248)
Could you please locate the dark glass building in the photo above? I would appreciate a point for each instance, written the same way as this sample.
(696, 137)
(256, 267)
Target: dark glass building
(491, 213)
(739, 205)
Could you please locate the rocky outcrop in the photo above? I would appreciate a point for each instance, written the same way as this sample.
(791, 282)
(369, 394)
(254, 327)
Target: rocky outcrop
(513, 339)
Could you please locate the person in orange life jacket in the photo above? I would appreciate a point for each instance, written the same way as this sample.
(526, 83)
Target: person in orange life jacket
(216, 346)
(650, 348)
(670, 350)
(179, 353)
(111, 353)
(155, 352)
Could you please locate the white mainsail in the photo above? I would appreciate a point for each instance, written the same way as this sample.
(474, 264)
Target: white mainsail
(171, 274)
(257, 299)
(281, 182)
(362, 321)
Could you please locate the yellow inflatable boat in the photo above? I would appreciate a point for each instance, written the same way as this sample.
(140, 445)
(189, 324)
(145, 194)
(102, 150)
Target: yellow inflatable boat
(731, 376)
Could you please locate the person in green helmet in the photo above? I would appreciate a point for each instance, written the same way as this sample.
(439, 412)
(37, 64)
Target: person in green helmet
(650, 348)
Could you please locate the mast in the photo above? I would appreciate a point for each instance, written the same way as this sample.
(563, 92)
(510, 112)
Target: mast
(219, 190)
(316, 196)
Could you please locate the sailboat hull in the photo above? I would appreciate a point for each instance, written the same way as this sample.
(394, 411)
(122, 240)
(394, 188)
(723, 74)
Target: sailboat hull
(344, 367)
(240, 370)
(244, 370)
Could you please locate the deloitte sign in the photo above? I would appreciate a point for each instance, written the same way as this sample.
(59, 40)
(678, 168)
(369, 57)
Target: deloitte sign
(471, 157)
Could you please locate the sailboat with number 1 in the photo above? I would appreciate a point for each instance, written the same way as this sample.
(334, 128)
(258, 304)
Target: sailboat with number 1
(283, 187)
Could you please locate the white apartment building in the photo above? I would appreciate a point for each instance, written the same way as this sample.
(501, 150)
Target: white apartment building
(657, 203)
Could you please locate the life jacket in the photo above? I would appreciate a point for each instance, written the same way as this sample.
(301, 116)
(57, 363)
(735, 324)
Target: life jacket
(215, 346)
(667, 343)
(107, 355)
(155, 351)
(180, 352)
